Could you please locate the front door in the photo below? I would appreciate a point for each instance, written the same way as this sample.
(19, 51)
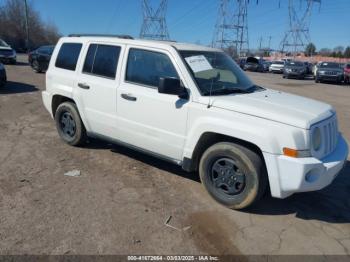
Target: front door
(146, 119)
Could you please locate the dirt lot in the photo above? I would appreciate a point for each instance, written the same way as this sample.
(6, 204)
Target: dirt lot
(120, 202)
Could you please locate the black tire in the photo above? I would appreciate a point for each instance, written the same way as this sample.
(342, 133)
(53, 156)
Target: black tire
(69, 124)
(36, 66)
(347, 80)
(246, 179)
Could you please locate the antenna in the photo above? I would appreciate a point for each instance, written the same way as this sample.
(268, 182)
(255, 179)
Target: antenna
(154, 23)
(298, 34)
(231, 29)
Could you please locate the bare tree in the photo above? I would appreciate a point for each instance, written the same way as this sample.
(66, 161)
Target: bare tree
(12, 26)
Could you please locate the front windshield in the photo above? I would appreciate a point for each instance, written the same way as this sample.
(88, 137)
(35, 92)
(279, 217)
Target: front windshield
(278, 62)
(330, 65)
(293, 63)
(216, 73)
(3, 43)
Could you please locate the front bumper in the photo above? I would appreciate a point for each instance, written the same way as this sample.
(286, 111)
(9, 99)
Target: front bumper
(292, 175)
(294, 74)
(331, 78)
(8, 59)
(276, 70)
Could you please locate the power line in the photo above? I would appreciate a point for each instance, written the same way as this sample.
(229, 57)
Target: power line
(154, 22)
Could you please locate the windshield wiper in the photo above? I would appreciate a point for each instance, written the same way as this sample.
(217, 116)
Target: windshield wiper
(226, 91)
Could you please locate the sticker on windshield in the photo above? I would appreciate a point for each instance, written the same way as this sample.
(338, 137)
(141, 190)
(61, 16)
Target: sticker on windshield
(198, 63)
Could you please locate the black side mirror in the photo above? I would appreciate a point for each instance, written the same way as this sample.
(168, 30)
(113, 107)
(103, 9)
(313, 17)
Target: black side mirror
(171, 86)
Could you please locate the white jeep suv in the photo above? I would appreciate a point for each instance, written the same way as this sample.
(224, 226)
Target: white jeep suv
(193, 106)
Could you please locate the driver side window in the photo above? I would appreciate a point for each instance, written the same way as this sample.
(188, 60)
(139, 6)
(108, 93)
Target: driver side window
(147, 67)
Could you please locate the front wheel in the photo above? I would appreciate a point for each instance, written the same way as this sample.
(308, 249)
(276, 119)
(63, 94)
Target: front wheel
(36, 66)
(69, 124)
(233, 175)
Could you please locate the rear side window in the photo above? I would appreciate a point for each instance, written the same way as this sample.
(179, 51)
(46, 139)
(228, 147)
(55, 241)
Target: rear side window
(147, 67)
(68, 56)
(102, 60)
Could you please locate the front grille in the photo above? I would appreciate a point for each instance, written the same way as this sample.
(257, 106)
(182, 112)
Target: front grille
(331, 73)
(6, 52)
(330, 132)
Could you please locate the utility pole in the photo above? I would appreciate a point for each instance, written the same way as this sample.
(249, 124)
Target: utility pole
(297, 35)
(260, 43)
(154, 22)
(26, 24)
(231, 29)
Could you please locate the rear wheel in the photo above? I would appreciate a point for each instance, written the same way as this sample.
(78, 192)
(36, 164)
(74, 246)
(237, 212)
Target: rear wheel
(233, 175)
(69, 125)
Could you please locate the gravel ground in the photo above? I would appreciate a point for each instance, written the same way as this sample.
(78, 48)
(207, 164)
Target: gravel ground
(121, 200)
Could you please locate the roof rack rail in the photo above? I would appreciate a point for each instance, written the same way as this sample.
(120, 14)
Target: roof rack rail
(101, 35)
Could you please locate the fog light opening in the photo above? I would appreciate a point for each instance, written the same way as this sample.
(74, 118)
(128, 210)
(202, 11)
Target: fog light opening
(312, 176)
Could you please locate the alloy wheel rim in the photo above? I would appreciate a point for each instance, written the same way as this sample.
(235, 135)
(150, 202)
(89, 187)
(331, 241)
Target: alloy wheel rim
(68, 125)
(227, 177)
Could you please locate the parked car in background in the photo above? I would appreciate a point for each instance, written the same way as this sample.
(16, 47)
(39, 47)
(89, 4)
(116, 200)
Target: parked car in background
(315, 68)
(347, 73)
(3, 78)
(332, 72)
(308, 67)
(266, 65)
(241, 62)
(39, 59)
(294, 69)
(7, 54)
(253, 64)
(277, 67)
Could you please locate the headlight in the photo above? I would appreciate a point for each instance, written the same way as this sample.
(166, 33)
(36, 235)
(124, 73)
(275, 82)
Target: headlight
(288, 70)
(322, 72)
(316, 139)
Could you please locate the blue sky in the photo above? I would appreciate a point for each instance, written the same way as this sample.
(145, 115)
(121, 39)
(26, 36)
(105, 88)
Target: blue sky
(194, 20)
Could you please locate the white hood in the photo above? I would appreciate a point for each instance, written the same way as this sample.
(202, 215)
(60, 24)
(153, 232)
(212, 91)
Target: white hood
(277, 106)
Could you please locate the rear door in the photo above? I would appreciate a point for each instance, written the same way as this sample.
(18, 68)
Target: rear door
(97, 87)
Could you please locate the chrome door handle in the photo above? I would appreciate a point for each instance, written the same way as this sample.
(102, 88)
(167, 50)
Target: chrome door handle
(83, 86)
(129, 97)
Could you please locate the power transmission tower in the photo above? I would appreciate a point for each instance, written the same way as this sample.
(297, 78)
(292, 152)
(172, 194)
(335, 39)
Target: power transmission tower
(231, 29)
(298, 34)
(154, 23)
(260, 43)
